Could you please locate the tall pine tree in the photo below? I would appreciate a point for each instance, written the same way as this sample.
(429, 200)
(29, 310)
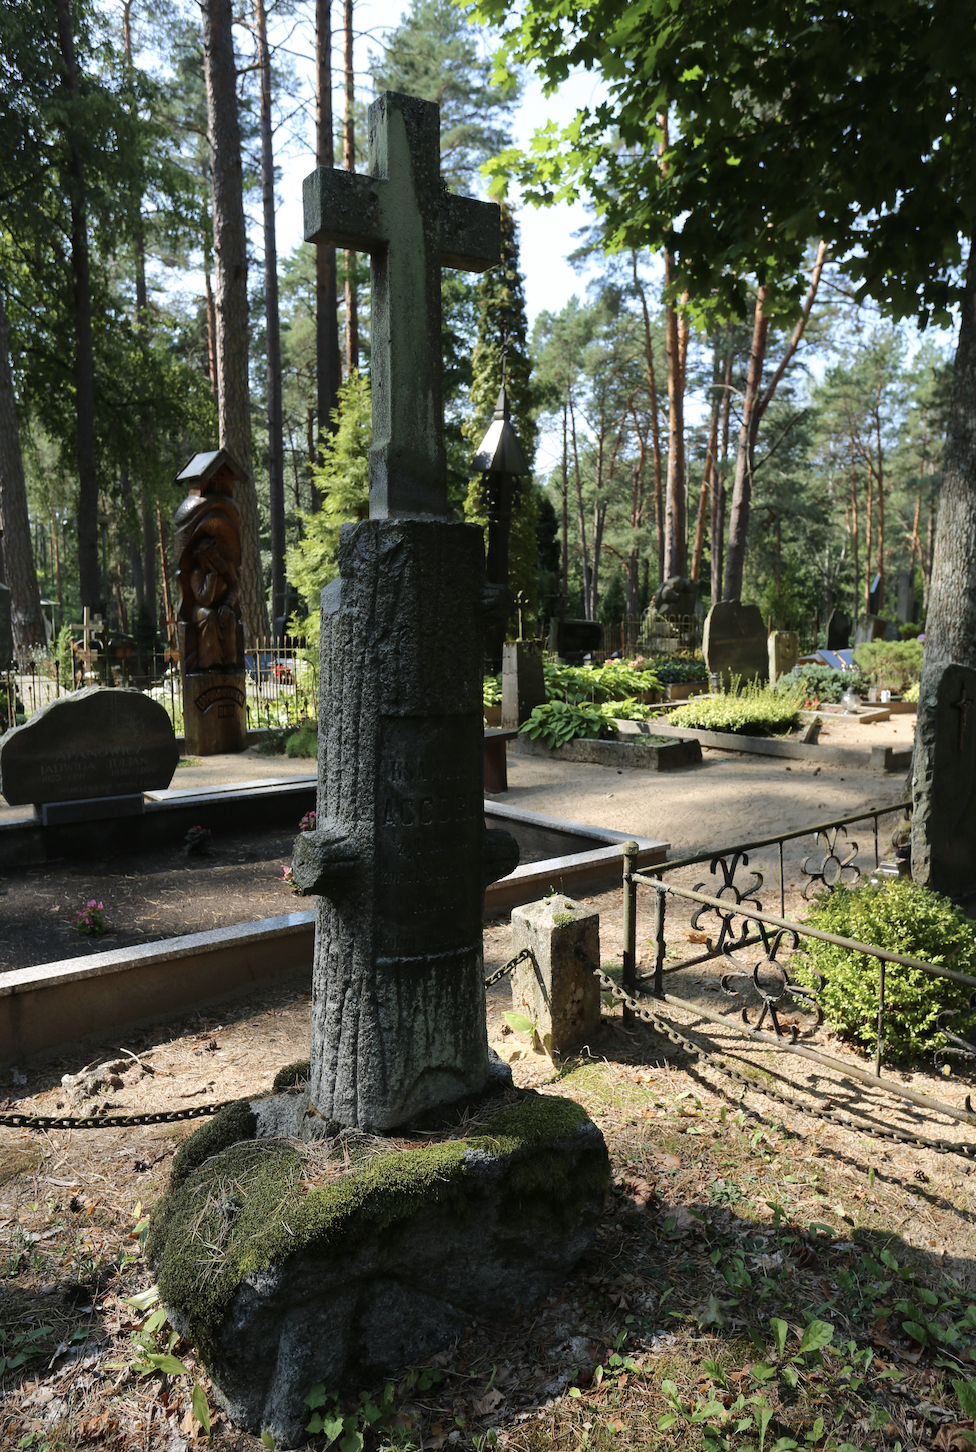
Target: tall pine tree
(502, 330)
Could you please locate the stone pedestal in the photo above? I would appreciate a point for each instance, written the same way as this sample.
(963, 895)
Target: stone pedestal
(523, 682)
(557, 991)
(214, 713)
(400, 857)
(784, 652)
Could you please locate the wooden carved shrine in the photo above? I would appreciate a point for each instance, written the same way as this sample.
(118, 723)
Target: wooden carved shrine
(207, 542)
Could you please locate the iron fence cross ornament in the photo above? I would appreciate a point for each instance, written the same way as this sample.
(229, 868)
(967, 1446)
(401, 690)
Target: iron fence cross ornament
(403, 215)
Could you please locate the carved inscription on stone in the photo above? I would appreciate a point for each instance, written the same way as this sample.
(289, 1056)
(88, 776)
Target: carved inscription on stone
(429, 808)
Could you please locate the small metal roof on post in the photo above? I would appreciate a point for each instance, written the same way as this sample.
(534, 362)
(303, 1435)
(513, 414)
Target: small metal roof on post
(500, 451)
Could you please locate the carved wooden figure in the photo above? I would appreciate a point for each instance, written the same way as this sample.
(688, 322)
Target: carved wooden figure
(207, 542)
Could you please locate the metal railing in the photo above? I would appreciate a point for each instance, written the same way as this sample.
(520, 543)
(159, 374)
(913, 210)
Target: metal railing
(280, 682)
(768, 986)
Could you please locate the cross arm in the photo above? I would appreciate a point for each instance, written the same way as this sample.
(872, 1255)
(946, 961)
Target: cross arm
(470, 233)
(342, 208)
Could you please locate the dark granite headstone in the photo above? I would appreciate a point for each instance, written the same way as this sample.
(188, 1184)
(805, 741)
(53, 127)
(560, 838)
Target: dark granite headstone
(876, 595)
(906, 609)
(100, 742)
(838, 630)
(734, 642)
(870, 627)
(6, 630)
(575, 638)
(944, 783)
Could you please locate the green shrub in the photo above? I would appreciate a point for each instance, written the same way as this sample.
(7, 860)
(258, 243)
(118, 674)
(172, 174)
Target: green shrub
(557, 722)
(492, 691)
(757, 711)
(676, 669)
(818, 682)
(906, 919)
(912, 693)
(304, 741)
(615, 680)
(893, 665)
(629, 710)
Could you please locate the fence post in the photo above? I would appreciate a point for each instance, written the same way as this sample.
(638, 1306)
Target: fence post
(630, 985)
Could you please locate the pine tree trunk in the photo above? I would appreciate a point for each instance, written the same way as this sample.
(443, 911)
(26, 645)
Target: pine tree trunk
(326, 286)
(84, 365)
(230, 255)
(655, 425)
(349, 163)
(18, 553)
(950, 626)
(276, 451)
(565, 504)
(718, 487)
(675, 545)
(742, 487)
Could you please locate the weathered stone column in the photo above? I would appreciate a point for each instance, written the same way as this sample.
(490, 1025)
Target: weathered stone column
(557, 991)
(398, 1015)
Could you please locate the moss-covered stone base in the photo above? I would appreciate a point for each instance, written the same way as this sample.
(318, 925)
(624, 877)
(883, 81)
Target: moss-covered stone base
(286, 1269)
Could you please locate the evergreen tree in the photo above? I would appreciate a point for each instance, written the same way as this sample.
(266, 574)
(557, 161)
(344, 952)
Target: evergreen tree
(502, 335)
(343, 481)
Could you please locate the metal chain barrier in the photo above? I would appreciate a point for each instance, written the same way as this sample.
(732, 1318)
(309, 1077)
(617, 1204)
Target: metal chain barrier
(499, 973)
(668, 1029)
(173, 1116)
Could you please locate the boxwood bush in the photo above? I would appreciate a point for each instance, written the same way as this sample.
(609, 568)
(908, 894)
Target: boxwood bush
(819, 682)
(903, 918)
(892, 665)
(755, 711)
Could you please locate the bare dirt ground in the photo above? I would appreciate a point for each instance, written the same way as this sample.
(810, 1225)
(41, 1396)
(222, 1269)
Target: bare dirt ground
(728, 1210)
(733, 1212)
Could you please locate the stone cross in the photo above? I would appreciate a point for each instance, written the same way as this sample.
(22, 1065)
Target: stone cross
(89, 623)
(403, 215)
(962, 706)
(400, 856)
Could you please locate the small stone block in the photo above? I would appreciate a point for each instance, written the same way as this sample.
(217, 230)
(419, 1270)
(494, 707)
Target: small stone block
(557, 991)
(96, 809)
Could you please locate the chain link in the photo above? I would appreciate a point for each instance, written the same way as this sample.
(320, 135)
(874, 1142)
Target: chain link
(716, 1061)
(499, 973)
(173, 1116)
(109, 1121)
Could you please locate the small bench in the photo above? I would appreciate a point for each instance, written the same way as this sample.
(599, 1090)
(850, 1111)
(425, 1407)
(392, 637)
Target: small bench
(496, 761)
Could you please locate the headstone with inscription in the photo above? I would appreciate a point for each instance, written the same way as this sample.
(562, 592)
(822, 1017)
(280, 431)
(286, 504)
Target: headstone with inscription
(89, 754)
(207, 542)
(944, 782)
(784, 651)
(734, 642)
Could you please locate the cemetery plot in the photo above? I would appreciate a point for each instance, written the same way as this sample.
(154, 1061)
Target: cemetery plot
(149, 897)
